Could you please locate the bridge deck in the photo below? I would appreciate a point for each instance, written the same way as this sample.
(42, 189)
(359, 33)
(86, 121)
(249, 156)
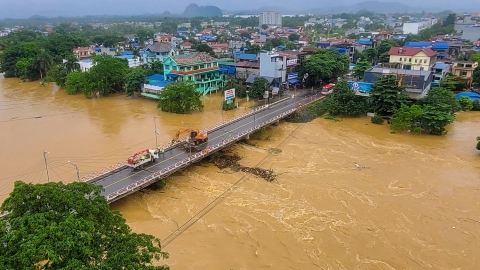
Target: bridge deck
(177, 158)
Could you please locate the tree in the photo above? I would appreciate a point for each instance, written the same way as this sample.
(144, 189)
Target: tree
(407, 118)
(245, 35)
(204, 48)
(169, 27)
(71, 226)
(478, 143)
(253, 49)
(475, 57)
(77, 81)
(157, 67)
(293, 37)
(360, 68)
(344, 102)
(71, 64)
(134, 81)
(453, 83)
(450, 20)
(43, 61)
(180, 97)
(57, 74)
(264, 26)
(107, 74)
(324, 65)
(386, 96)
(476, 75)
(441, 99)
(465, 103)
(434, 121)
(258, 87)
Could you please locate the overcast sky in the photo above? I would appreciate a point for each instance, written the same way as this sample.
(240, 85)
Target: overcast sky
(27, 8)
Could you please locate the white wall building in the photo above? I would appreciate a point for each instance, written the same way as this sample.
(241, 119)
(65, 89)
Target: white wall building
(415, 27)
(272, 65)
(86, 65)
(270, 18)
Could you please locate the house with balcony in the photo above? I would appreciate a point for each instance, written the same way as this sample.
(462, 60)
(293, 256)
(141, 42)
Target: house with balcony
(413, 58)
(83, 52)
(272, 68)
(440, 48)
(198, 67)
(439, 70)
(464, 69)
(417, 83)
(157, 52)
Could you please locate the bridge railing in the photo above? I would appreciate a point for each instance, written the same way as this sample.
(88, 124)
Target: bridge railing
(103, 172)
(193, 158)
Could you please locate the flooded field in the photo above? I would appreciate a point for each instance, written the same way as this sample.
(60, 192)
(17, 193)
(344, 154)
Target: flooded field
(348, 194)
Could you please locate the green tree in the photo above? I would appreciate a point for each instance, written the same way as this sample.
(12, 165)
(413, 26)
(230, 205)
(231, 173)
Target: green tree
(465, 103)
(324, 65)
(23, 67)
(253, 49)
(107, 74)
(476, 105)
(204, 48)
(386, 96)
(77, 81)
(475, 57)
(344, 102)
(441, 99)
(258, 87)
(71, 64)
(43, 61)
(407, 118)
(360, 68)
(57, 226)
(157, 67)
(57, 74)
(450, 20)
(293, 37)
(453, 83)
(264, 26)
(476, 75)
(169, 27)
(134, 81)
(180, 97)
(434, 121)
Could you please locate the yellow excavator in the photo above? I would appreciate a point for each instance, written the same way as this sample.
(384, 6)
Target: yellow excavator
(195, 136)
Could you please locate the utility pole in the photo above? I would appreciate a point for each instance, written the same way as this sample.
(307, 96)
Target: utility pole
(156, 131)
(46, 165)
(76, 168)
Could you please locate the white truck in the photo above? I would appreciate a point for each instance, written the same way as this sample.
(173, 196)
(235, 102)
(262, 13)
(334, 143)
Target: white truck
(143, 157)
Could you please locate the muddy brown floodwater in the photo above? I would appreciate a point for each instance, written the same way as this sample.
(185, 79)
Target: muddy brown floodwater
(348, 194)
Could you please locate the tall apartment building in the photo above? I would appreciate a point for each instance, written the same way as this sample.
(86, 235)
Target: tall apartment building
(270, 18)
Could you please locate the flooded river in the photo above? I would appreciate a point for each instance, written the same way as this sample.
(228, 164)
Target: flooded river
(349, 194)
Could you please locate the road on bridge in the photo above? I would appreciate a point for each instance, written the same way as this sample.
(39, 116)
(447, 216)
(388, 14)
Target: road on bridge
(127, 176)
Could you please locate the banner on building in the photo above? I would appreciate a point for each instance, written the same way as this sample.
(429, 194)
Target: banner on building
(291, 62)
(230, 94)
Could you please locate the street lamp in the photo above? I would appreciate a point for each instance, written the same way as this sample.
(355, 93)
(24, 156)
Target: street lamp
(46, 165)
(76, 168)
(156, 131)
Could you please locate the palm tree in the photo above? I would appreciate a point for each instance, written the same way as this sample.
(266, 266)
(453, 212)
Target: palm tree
(43, 62)
(71, 64)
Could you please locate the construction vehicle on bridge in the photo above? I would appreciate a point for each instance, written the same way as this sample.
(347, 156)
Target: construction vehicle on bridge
(194, 139)
(143, 157)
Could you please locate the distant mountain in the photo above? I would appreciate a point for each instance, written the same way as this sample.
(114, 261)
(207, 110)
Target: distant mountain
(193, 10)
(281, 10)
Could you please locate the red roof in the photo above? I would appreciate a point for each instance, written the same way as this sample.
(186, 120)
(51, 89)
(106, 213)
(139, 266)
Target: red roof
(186, 44)
(246, 64)
(303, 39)
(410, 51)
(82, 49)
(385, 33)
(218, 45)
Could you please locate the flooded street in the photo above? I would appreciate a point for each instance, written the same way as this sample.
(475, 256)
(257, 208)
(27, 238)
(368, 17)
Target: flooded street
(349, 194)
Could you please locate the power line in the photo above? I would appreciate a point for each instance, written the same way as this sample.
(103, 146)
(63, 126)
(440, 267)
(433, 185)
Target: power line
(165, 242)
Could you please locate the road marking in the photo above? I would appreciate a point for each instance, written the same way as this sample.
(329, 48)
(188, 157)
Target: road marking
(154, 165)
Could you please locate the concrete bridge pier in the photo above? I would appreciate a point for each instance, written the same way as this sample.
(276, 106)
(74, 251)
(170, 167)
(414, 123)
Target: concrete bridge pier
(247, 136)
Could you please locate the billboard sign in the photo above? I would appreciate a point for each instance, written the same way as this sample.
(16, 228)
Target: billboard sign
(291, 62)
(230, 94)
(361, 87)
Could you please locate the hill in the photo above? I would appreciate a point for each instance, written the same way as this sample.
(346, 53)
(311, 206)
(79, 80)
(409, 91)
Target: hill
(373, 6)
(194, 10)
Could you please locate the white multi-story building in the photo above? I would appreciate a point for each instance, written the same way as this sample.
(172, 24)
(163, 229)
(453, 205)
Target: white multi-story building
(270, 18)
(273, 65)
(415, 27)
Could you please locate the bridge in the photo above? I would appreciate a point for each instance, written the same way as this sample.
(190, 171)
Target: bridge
(119, 180)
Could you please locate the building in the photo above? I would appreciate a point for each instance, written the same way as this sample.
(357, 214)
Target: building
(440, 48)
(83, 52)
(273, 66)
(417, 83)
(471, 32)
(246, 68)
(164, 38)
(417, 26)
(200, 68)
(439, 70)
(464, 69)
(219, 49)
(186, 46)
(413, 58)
(270, 18)
(157, 52)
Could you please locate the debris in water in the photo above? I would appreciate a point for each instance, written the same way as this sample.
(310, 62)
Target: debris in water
(223, 160)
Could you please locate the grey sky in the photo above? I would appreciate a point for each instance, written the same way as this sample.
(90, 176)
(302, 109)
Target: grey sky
(26, 8)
